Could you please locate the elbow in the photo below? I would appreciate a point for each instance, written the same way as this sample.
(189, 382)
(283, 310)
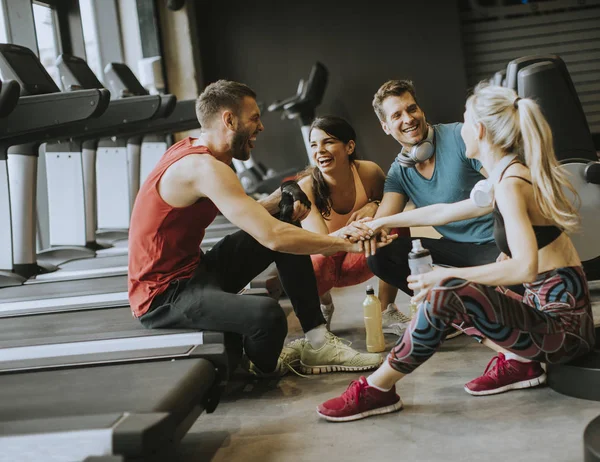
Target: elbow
(273, 238)
(274, 245)
(530, 272)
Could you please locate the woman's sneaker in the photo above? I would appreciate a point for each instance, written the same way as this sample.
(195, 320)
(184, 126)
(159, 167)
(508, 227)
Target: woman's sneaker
(503, 374)
(393, 321)
(360, 401)
(336, 356)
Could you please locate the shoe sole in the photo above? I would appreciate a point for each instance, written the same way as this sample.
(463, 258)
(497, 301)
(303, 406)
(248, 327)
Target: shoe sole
(325, 369)
(513, 386)
(380, 410)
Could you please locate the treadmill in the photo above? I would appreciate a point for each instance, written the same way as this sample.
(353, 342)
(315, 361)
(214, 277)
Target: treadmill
(182, 116)
(47, 415)
(135, 410)
(55, 296)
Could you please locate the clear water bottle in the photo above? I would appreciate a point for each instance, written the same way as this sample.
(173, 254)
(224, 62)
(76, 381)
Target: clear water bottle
(419, 262)
(372, 315)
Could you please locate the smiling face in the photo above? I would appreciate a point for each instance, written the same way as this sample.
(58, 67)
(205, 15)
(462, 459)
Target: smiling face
(329, 152)
(247, 127)
(404, 120)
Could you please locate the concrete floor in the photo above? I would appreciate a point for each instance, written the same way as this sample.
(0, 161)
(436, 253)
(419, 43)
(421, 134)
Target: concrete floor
(276, 420)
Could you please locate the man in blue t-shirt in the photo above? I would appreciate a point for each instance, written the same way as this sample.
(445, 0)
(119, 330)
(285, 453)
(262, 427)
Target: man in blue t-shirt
(437, 172)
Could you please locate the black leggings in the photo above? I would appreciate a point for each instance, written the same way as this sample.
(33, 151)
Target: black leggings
(391, 263)
(209, 301)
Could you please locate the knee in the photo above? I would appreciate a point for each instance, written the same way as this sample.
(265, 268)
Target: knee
(393, 257)
(321, 265)
(268, 318)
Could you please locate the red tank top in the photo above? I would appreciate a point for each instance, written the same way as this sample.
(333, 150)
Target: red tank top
(164, 241)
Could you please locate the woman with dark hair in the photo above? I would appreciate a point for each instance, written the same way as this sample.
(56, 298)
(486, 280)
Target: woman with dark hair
(342, 190)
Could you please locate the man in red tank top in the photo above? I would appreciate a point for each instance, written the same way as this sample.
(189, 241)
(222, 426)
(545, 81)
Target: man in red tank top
(173, 285)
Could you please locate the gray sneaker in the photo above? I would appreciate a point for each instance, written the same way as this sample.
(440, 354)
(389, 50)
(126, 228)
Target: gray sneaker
(327, 311)
(336, 356)
(394, 321)
(289, 360)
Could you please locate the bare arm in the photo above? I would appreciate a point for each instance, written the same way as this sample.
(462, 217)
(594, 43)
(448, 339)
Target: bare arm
(314, 220)
(432, 215)
(271, 202)
(218, 182)
(391, 204)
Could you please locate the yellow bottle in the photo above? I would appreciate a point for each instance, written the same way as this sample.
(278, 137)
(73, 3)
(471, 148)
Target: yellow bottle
(372, 315)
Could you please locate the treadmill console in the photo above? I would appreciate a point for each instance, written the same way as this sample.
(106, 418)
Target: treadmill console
(122, 81)
(21, 64)
(76, 74)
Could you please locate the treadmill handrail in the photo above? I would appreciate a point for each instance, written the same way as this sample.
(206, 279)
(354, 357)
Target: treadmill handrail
(9, 97)
(25, 125)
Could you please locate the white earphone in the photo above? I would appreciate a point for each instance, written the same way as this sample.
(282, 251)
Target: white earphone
(482, 193)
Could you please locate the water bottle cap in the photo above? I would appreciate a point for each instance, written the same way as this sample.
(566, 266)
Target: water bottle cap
(370, 290)
(417, 246)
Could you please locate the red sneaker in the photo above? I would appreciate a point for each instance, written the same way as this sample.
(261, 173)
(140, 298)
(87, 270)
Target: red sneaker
(506, 375)
(360, 401)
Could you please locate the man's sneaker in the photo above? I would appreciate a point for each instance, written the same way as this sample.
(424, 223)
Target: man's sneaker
(327, 311)
(394, 321)
(336, 356)
(360, 401)
(289, 360)
(503, 375)
(290, 354)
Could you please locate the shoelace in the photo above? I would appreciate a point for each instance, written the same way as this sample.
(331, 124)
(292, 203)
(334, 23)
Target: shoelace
(501, 366)
(355, 390)
(285, 359)
(339, 343)
(401, 318)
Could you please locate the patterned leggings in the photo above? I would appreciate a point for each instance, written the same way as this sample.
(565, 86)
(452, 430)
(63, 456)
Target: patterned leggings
(551, 323)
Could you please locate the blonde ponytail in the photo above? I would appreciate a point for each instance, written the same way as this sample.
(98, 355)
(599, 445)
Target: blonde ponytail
(517, 126)
(549, 181)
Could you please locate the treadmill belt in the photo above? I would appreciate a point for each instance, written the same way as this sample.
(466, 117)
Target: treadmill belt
(112, 261)
(61, 289)
(167, 386)
(74, 326)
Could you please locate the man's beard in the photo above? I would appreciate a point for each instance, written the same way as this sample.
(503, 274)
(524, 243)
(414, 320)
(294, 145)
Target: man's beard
(239, 146)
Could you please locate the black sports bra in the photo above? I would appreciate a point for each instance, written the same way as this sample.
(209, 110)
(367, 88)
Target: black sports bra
(544, 235)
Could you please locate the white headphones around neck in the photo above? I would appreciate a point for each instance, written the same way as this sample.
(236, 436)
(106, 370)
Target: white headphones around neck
(420, 152)
(482, 193)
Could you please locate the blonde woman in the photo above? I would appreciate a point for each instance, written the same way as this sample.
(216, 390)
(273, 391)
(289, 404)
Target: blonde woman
(551, 323)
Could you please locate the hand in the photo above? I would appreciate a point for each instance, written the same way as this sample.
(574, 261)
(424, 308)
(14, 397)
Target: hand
(502, 257)
(301, 211)
(366, 211)
(291, 194)
(421, 284)
(356, 231)
(369, 247)
(382, 235)
(375, 225)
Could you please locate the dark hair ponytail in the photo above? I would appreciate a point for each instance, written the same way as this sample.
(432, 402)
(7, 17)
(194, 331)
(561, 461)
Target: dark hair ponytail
(343, 131)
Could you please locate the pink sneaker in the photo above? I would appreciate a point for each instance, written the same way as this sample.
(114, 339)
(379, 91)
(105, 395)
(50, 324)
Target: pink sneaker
(506, 375)
(360, 401)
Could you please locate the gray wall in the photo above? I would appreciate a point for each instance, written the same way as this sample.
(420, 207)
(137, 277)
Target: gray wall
(270, 46)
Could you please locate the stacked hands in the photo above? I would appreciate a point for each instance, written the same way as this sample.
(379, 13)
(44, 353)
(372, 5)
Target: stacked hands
(363, 232)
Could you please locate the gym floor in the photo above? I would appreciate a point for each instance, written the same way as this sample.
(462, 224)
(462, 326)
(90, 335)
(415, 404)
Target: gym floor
(275, 421)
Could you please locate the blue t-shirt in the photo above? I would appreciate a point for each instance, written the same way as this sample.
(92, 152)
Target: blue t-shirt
(452, 181)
